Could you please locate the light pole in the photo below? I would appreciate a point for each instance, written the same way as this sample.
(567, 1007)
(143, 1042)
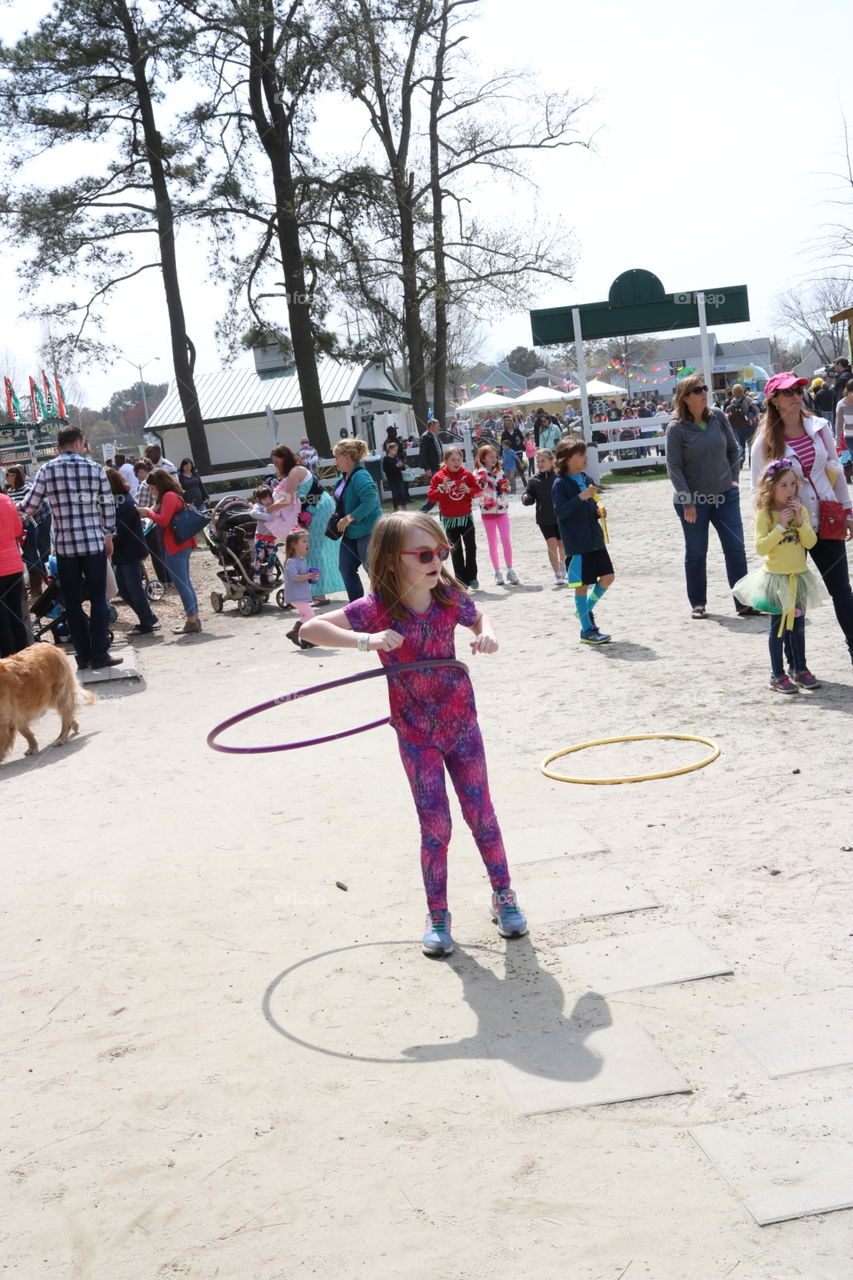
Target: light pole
(139, 368)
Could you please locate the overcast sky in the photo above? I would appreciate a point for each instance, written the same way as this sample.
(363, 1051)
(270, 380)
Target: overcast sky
(716, 145)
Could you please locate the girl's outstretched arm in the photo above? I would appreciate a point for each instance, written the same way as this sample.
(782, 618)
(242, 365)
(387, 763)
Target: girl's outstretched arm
(485, 640)
(334, 630)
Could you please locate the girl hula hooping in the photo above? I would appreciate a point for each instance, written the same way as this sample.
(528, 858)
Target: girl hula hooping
(410, 615)
(453, 488)
(494, 508)
(783, 586)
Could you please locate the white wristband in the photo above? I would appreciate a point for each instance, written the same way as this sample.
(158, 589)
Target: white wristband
(362, 642)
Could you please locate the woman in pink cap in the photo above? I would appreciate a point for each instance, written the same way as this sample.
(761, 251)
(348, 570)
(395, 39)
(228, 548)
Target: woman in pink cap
(788, 430)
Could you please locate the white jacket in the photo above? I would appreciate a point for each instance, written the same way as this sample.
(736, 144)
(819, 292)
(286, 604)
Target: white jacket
(823, 488)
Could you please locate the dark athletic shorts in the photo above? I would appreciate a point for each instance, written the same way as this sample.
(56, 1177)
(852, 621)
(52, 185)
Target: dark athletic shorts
(584, 570)
(549, 531)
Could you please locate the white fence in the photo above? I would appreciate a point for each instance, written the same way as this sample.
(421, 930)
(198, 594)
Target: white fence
(617, 455)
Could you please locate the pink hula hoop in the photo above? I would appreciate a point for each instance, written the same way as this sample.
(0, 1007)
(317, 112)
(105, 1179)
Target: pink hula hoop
(219, 729)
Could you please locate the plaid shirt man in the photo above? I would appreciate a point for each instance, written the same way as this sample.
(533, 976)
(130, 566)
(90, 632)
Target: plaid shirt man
(144, 496)
(81, 501)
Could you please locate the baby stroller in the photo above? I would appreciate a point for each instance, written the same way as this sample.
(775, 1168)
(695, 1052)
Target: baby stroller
(230, 536)
(48, 612)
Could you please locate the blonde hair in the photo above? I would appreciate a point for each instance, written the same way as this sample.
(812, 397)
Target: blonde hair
(355, 449)
(682, 390)
(737, 390)
(452, 448)
(544, 453)
(770, 477)
(291, 541)
(383, 560)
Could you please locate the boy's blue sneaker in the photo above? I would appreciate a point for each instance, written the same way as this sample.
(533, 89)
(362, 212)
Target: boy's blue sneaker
(594, 636)
(507, 914)
(437, 940)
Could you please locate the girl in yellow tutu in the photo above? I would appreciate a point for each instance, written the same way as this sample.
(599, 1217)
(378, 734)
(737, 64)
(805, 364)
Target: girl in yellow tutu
(783, 586)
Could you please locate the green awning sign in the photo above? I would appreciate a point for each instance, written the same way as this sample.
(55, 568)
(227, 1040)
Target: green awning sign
(637, 304)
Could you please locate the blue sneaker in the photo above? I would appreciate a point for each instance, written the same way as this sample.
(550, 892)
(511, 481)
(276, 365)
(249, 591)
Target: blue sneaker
(437, 940)
(473, 585)
(594, 636)
(507, 915)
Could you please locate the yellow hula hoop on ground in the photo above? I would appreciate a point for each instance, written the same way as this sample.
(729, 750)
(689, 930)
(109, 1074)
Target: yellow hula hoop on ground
(631, 737)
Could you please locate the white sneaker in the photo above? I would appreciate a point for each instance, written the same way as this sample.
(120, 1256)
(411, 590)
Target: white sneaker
(559, 578)
(499, 578)
(512, 576)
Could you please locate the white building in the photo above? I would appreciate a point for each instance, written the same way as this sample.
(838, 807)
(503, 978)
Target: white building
(359, 399)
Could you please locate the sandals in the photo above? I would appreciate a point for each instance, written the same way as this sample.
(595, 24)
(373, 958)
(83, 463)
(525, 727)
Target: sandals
(747, 611)
(699, 612)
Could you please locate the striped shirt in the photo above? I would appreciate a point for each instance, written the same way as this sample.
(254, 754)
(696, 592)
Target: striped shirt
(81, 501)
(803, 447)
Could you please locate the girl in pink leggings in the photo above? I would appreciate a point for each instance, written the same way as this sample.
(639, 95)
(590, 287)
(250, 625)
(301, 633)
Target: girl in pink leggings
(494, 508)
(298, 578)
(411, 614)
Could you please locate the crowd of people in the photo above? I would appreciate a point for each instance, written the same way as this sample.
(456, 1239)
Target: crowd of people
(408, 614)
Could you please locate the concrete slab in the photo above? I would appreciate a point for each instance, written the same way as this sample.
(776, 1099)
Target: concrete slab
(786, 1163)
(636, 960)
(799, 1033)
(103, 675)
(583, 1067)
(580, 895)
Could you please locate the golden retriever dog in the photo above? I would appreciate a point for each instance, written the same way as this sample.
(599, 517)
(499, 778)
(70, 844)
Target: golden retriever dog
(32, 681)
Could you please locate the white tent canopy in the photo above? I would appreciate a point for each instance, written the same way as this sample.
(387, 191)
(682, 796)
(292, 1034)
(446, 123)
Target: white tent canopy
(596, 388)
(542, 395)
(486, 401)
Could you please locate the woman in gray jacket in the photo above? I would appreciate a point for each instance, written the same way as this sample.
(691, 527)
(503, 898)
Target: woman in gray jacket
(703, 462)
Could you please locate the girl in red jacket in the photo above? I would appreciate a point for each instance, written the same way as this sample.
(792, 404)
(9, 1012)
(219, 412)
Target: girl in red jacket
(453, 488)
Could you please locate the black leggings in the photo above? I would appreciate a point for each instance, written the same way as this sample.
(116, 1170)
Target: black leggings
(463, 548)
(13, 630)
(830, 558)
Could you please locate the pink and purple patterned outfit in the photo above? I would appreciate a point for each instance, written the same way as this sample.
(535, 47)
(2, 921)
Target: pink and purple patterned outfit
(435, 717)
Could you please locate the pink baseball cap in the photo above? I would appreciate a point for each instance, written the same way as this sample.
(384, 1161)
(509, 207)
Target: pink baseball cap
(781, 382)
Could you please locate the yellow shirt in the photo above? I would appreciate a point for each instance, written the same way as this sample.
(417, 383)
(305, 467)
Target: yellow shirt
(784, 550)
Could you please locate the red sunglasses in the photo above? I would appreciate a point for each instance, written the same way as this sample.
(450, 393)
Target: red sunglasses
(425, 556)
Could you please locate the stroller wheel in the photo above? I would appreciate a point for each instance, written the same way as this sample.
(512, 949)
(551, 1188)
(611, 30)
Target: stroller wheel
(217, 600)
(257, 601)
(155, 590)
(279, 598)
(246, 606)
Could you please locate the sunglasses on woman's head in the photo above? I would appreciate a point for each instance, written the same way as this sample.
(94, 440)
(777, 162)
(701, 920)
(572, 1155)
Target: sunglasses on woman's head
(791, 391)
(425, 555)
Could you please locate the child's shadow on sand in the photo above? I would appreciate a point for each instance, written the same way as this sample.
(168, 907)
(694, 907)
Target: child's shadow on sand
(526, 1001)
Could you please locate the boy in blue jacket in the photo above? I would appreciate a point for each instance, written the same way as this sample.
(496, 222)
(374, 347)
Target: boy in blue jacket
(588, 566)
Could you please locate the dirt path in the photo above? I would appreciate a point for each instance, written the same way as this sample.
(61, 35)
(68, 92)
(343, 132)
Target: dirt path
(221, 1064)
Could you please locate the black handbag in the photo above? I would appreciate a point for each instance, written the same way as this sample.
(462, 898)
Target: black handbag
(331, 530)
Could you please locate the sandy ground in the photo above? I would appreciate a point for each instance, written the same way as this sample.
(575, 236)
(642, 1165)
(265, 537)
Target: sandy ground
(221, 1064)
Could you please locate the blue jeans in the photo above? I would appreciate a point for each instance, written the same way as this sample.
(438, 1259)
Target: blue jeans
(353, 553)
(794, 644)
(89, 633)
(723, 512)
(132, 592)
(179, 571)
